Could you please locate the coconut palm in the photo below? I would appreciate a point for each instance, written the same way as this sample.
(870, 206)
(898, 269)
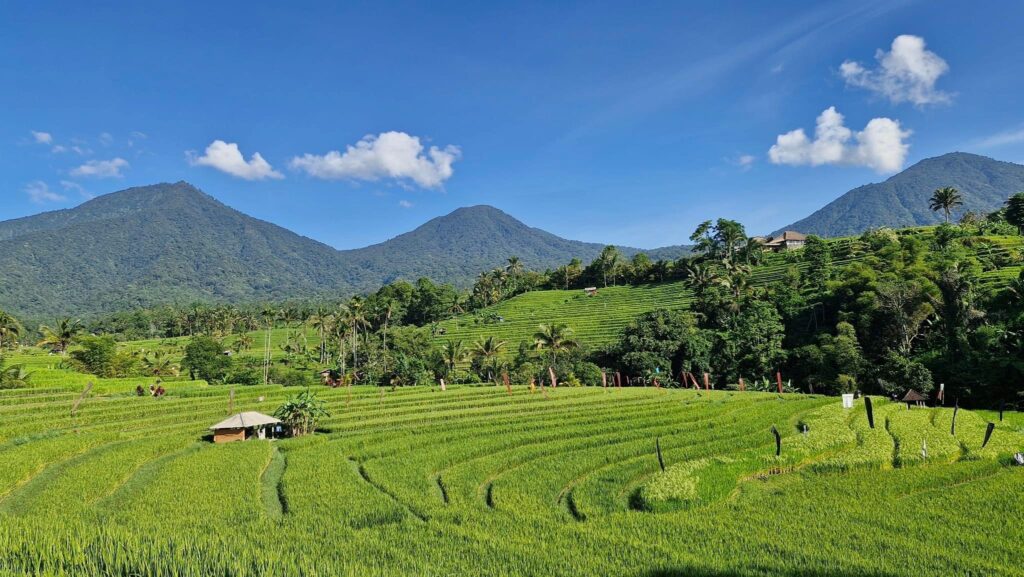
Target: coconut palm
(61, 335)
(554, 338)
(353, 314)
(452, 353)
(486, 354)
(243, 342)
(10, 329)
(159, 364)
(322, 322)
(945, 199)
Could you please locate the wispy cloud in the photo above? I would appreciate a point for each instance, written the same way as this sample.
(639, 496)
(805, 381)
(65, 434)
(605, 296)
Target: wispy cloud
(41, 137)
(880, 146)
(70, 185)
(745, 161)
(1000, 139)
(227, 158)
(906, 73)
(106, 139)
(102, 168)
(390, 155)
(39, 192)
(405, 204)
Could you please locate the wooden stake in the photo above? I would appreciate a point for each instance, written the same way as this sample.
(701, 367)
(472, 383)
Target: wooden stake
(74, 408)
(231, 400)
(778, 379)
(618, 380)
(870, 412)
(604, 379)
(988, 434)
(778, 441)
(657, 447)
(742, 386)
(707, 381)
(554, 379)
(508, 384)
(952, 424)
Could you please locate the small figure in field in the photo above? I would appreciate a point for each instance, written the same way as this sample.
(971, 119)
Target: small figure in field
(139, 391)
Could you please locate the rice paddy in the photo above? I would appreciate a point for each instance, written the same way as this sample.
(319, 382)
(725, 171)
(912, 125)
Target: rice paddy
(477, 481)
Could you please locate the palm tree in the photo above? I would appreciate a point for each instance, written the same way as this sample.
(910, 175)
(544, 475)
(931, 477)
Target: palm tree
(59, 338)
(452, 353)
(354, 315)
(486, 353)
(243, 342)
(322, 321)
(10, 329)
(700, 278)
(945, 199)
(554, 338)
(159, 364)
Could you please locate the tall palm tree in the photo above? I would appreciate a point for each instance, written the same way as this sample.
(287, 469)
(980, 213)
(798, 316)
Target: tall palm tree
(556, 339)
(10, 329)
(322, 322)
(159, 364)
(486, 352)
(945, 199)
(354, 315)
(60, 336)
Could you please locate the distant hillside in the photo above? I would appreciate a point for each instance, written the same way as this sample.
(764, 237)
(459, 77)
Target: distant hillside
(902, 200)
(171, 243)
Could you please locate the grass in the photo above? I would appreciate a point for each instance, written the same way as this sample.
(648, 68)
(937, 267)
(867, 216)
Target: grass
(473, 481)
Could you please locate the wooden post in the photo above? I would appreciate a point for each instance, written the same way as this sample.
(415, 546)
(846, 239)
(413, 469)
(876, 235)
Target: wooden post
(778, 441)
(988, 434)
(554, 379)
(443, 386)
(870, 411)
(742, 386)
(74, 407)
(778, 379)
(231, 400)
(657, 447)
(707, 381)
(952, 424)
(508, 384)
(533, 384)
(618, 379)
(604, 379)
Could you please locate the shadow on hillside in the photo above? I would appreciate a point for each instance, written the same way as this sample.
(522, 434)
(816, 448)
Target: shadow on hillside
(684, 572)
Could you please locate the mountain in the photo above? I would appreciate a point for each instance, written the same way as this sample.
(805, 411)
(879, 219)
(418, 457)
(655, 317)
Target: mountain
(171, 243)
(902, 200)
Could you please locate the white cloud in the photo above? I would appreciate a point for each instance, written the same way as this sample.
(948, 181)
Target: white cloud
(393, 155)
(405, 204)
(226, 157)
(70, 185)
(746, 161)
(39, 192)
(102, 168)
(880, 146)
(42, 137)
(58, 148)
(907, 73)
(106, 139)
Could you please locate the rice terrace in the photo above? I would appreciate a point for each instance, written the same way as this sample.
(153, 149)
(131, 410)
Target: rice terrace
(789, 380)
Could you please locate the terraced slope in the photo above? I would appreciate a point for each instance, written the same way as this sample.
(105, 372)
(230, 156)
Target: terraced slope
(476, 481)
(598, 320)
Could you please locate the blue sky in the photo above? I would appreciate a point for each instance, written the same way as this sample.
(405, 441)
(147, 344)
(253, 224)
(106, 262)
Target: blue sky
(626, 123)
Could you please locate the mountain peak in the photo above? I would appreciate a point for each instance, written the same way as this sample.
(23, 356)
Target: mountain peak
(902, 199)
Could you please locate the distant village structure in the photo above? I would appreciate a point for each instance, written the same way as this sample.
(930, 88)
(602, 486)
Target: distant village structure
(788, 240)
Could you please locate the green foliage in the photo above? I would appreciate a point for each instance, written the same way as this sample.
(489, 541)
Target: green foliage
(100, 356)
(205, 359)
(302, 413)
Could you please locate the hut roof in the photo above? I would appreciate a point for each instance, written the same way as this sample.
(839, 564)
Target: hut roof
(245, 420)
(913, 396)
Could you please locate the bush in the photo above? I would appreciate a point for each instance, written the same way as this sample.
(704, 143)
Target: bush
(205, 359)
(291, 377)
(588, 373)
(245, 371)
(100, 356)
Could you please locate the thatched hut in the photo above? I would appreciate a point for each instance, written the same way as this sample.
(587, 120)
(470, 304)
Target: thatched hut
(243, 426)
(914, 398)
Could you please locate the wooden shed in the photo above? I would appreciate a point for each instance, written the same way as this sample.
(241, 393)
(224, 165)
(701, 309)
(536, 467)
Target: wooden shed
(914, 398)
(243, 426)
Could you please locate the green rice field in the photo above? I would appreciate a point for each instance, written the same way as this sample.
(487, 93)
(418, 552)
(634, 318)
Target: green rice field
(478, 481)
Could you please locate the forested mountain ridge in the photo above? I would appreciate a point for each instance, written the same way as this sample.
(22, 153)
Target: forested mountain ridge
(172, 243)
(902, 200)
